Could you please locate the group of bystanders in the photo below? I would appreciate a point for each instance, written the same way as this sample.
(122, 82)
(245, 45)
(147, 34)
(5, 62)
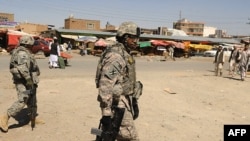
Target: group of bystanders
(238, 61)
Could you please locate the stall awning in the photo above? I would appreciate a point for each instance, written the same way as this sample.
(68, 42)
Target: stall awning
(198, 46)
(69, 36)
(13, 36)
(144, 44)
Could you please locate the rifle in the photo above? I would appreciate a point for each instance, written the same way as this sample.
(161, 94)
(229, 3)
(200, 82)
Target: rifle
(32, 101)
(109, 132)
(34, 72)
(33, 108)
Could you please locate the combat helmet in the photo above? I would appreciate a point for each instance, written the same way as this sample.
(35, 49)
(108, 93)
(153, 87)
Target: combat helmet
(26, 40)
(128, 28)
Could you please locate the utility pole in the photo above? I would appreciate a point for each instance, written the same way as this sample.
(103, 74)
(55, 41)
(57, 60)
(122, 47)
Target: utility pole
(180, 16)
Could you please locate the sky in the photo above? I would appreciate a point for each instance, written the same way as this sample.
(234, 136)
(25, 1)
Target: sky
(232, 16)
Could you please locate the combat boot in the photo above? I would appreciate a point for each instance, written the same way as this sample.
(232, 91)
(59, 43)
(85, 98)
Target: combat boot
(4, 122)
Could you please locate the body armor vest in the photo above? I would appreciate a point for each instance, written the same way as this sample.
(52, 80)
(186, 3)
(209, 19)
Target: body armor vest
(129, 76)
(22, 56)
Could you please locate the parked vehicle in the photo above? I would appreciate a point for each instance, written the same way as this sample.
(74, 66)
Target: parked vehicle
(212, 52)
(39, 47)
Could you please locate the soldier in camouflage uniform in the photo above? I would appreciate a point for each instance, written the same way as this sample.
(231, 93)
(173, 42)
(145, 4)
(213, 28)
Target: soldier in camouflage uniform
(116, 81)
(25, 72)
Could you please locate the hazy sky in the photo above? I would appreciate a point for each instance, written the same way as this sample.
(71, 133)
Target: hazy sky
(229, 15)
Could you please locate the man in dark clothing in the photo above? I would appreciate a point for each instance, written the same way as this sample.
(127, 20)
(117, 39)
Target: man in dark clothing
(233, 61)
(69, 47)
(219, 61)
(54, 53)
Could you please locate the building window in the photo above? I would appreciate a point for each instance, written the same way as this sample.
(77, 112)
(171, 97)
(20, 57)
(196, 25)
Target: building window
(90, 26)
(3, 19)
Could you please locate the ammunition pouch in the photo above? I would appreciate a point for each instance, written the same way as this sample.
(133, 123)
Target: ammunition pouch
(15, 73)
(137, 90)
(135, 108)
(134, 99)
(127, 87)
(117, 91)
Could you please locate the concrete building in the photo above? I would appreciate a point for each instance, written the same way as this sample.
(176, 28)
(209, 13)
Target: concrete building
(7, 21)
(220, 33)
(31, 28)
(81, 24)
(6, 17)
(209, 31)
(191, 28)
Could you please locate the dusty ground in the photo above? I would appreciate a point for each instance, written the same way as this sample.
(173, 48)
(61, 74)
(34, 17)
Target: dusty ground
(67, 102)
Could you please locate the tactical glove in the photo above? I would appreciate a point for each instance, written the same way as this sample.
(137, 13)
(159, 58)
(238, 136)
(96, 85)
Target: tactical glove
(106, 121)
(106, 124)
(29, 82)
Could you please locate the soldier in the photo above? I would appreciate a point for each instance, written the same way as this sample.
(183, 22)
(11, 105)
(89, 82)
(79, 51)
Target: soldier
(116, 81)
(25, 72)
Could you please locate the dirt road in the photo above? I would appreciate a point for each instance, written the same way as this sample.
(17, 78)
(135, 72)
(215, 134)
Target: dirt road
(201, 105)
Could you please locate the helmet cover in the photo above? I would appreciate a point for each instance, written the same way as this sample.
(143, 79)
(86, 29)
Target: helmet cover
(127, 28)
(27, 40)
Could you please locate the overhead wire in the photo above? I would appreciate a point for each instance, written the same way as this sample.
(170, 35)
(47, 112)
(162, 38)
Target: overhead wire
(108, 13)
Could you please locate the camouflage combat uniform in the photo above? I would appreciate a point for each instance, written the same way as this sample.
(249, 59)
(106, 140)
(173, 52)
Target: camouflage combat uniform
(23, 66)
(116, 78)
